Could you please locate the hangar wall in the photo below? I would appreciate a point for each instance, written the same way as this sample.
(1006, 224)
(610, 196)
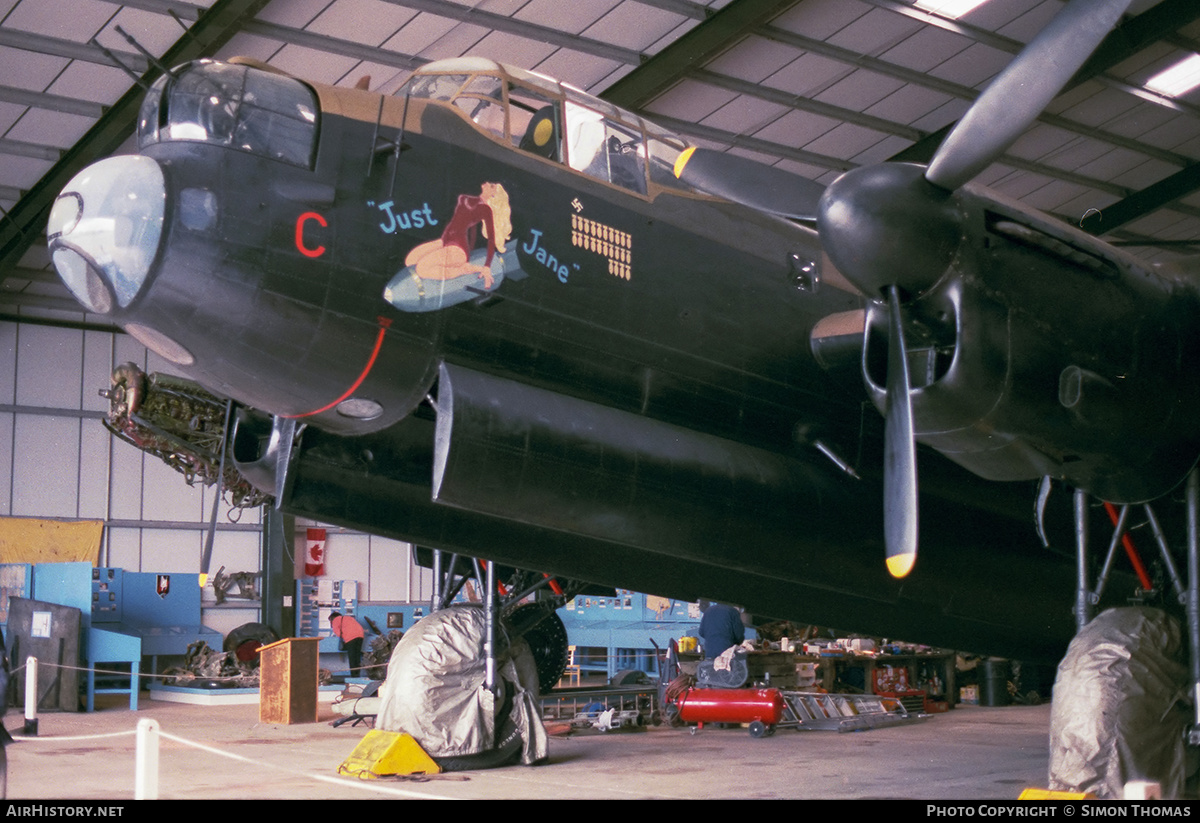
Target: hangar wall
(58, 461)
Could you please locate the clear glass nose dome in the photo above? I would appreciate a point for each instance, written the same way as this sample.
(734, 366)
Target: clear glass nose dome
(104, 230)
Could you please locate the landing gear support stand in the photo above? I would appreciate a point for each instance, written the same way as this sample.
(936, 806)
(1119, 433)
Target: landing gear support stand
(506, 616)
(1187, 590)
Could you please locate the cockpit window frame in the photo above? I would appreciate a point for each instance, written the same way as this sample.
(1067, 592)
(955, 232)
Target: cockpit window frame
(652, 149)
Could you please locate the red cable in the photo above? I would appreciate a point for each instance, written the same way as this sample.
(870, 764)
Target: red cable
(384, 323)
(500, 587)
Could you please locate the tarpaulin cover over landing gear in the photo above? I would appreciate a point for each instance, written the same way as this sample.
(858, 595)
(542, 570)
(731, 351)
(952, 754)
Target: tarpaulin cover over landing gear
(435, 692)
(1118, 711)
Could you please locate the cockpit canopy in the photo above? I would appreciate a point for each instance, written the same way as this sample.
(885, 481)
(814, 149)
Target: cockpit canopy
(553, 120)
(256, 109)
(233, 105)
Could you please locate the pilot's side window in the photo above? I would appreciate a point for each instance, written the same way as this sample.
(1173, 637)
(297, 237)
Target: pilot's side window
(605, 149)
(585, 141)
(626, 158)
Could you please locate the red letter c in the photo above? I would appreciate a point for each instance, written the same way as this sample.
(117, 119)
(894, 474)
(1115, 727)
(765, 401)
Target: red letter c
(307, 252)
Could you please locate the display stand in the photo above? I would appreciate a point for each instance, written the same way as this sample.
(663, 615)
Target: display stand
(288, 681)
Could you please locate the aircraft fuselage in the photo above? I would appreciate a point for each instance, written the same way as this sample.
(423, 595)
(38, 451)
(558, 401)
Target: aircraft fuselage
(534, 344)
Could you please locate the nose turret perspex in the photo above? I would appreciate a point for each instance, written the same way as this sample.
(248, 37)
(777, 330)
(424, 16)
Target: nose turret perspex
(104, 230)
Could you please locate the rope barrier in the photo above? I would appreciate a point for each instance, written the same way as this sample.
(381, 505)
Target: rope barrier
(184, 677)
(241, 758)
(149, 676)
(146, 785)
(72, 739)
(319, 777)
(146, 753)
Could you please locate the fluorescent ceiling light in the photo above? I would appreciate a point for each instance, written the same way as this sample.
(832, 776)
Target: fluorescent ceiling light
(1179, 79)
(953, 9)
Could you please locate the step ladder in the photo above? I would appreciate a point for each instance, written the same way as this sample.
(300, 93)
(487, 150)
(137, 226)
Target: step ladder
(844, 712)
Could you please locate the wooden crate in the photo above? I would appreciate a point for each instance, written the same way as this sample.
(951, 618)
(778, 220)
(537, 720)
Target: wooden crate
(780, 665)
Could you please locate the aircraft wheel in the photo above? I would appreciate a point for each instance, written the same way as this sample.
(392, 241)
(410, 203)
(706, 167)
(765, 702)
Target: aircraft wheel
(1116, 710)
(548, 642)
(508, 743)
(629, 677)
(245, 640)
(670, 716)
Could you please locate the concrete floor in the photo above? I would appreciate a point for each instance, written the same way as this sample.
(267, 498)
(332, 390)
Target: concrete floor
(971, 753)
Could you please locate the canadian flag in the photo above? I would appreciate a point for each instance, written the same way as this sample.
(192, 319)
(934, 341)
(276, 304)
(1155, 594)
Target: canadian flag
(314, 558)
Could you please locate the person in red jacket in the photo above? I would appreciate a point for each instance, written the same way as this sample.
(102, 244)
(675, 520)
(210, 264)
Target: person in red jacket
(351, 633)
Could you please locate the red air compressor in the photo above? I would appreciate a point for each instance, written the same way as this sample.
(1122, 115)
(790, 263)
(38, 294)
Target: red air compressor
(761, 708)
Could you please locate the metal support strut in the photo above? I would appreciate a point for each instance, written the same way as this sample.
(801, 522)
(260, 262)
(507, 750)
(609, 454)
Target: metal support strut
(491, 616)
(1193, 596)
(447, 582)
(435, 599)
(1085, 599)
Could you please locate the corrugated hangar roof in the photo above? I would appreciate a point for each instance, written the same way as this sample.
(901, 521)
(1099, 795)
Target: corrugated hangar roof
(814, 86)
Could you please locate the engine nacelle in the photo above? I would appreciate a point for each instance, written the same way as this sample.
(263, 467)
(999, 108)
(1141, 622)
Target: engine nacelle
(1047, 353)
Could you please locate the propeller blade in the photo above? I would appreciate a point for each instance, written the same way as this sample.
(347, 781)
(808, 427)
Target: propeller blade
(899, 451)
(749, 182)
(1018, 95)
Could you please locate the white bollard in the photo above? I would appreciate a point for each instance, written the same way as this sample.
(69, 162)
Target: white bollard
(145, 781)
(31, 692)
(1143, 790)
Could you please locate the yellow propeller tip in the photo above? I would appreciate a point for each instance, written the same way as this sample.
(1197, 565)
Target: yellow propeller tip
(683, 158)
(899, 565)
